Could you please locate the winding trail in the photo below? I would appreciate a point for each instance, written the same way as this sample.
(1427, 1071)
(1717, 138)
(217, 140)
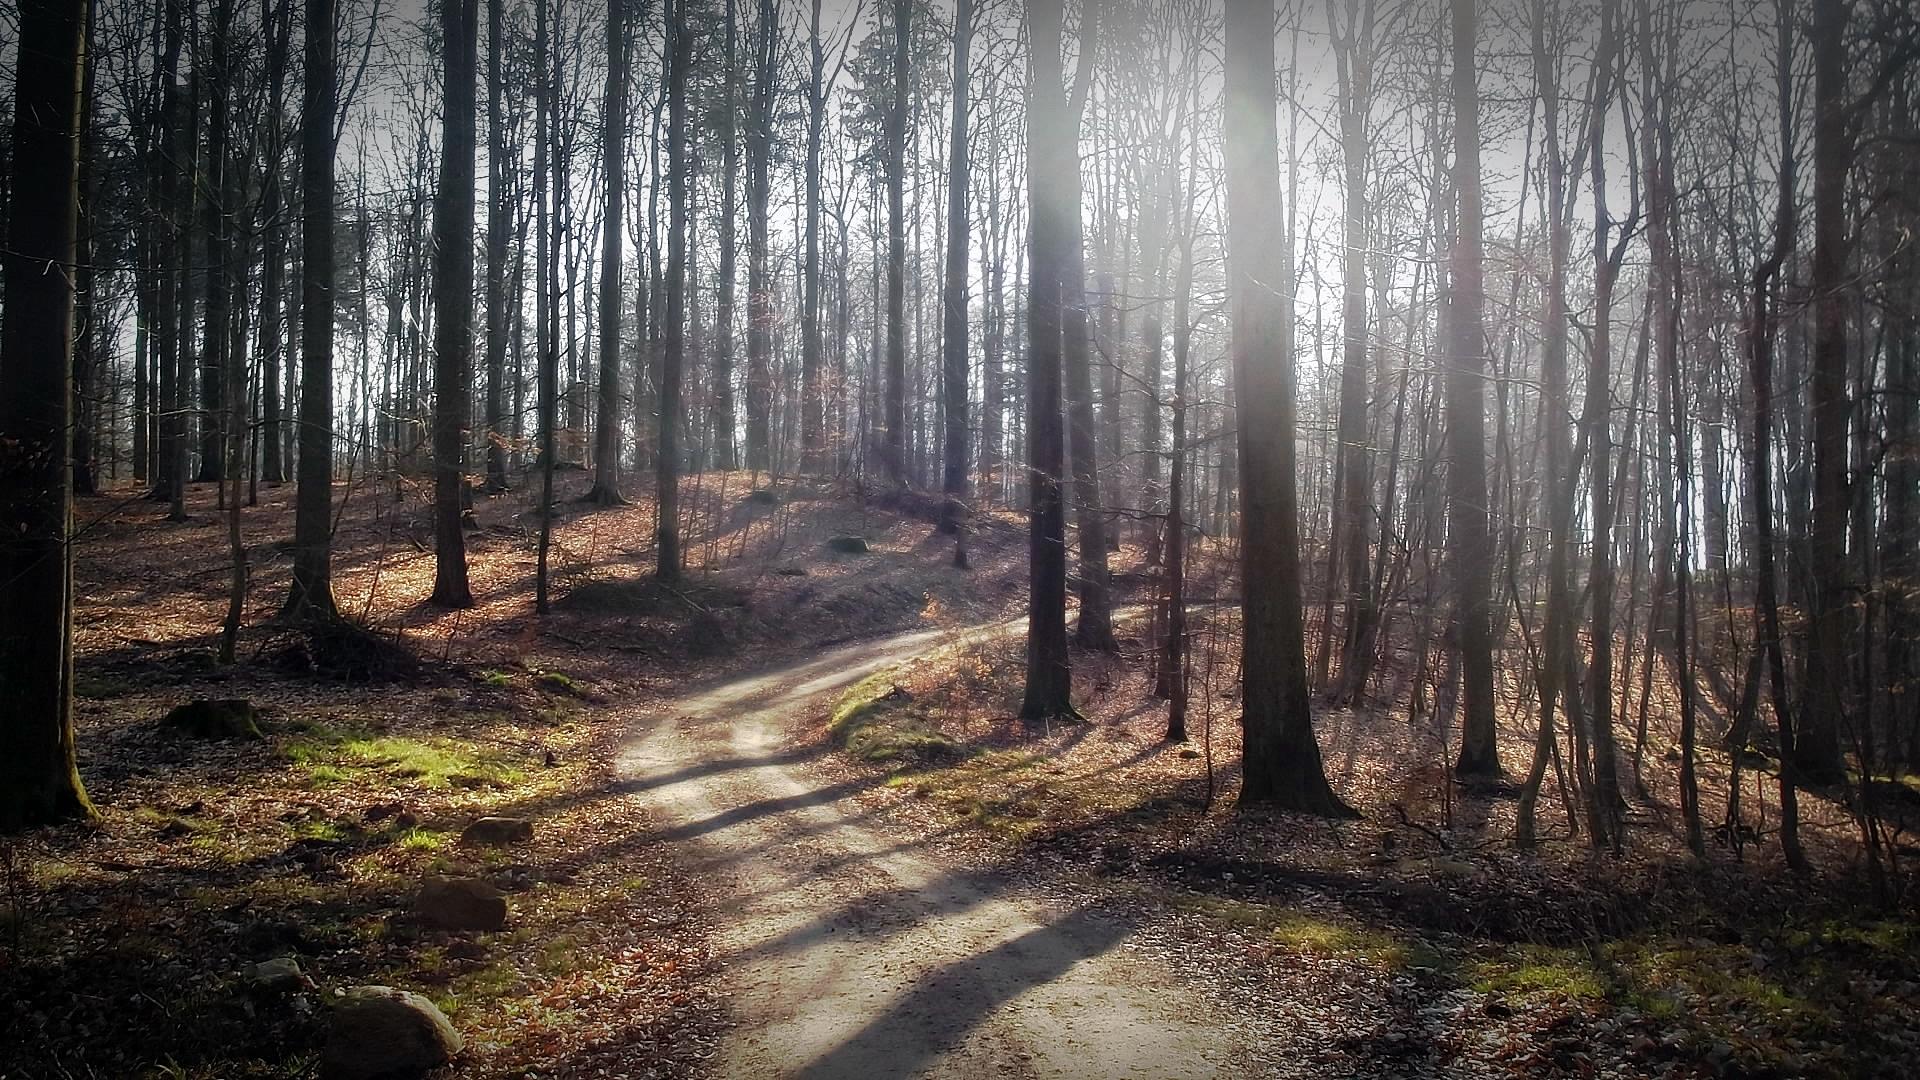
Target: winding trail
(848, 953)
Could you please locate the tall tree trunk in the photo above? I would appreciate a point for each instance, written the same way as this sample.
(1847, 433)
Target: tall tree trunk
(1604, 802)
(183, 118)
(1051, 233)
(273, 304)
(1281, 757)
(499, 223)
(86, 333)
(613, 158)
(812, 416)
(545, 287)
(1354, 478)
(1762, 336)
(1562, 474)
(213, 186)
(1172, 682)
(953, 384)
(1094, 630)
(895, 449)
(1469, 545)
(39, 782)
(1829, 650)
(453, 303)
(311, 596)
(759, 141)
(673, 361)
(726, 418)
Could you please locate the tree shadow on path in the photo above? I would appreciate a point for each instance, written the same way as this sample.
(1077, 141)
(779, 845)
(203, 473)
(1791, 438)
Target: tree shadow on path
(940, 1012)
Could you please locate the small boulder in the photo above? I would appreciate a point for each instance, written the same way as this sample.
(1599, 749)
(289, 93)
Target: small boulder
(281, 975)
(379, 1033)
(223, 718)
(460, 904)
(848, 545)
(496, 832)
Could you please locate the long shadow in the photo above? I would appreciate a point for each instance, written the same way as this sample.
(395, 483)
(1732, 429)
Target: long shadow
(950, 893)
(938, 1013)
(752, 811)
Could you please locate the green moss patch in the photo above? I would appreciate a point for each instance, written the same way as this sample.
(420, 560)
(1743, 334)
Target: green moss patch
(334, 755)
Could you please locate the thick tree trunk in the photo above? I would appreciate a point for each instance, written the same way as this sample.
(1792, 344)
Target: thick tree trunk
(953, 383)
(1829, 650)
(453, 303)
(667, 566)
(39, 782)
(1051, 233)
(311, 596)
(1469, 544)
(1281, 757)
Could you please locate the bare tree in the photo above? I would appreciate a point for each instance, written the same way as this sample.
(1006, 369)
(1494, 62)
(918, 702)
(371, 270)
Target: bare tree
(953, 384)
(311, 596)
(1051, 233)
(453, 302)
(613, 173)
(1469, 547)
(672, 364)
(499, 218)
(1282, 757)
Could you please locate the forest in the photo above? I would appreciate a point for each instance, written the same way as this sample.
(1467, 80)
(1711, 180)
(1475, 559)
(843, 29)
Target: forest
(879, 538)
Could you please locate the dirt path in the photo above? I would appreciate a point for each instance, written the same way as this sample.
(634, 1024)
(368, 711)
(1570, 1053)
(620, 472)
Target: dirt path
(848, 953)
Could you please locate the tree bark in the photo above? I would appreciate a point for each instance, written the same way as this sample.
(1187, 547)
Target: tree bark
(1281, 756)
(1051, 232)
(672, 363)
(311, 596)
(499, 222)
(895, 448)
(1469, 545)
(453, 303)
(613, 165)
(39, 782)
(1817, 747)
(953, 384)
(759, 140)
(1354, 478)
(726, 414)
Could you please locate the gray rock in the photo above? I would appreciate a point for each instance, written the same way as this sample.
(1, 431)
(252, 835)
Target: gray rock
(379, 1033)
(496, 832)
(281, 975)
(461, 904)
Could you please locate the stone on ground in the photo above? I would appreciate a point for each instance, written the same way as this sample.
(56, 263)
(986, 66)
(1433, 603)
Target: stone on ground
(496, 832)
(380, 1033)
(460, 904)
(222, 718)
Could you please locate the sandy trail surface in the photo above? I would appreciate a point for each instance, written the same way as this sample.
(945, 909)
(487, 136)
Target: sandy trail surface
(848, 951)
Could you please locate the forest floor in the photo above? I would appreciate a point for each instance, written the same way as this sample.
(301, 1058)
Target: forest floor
(783, 824)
